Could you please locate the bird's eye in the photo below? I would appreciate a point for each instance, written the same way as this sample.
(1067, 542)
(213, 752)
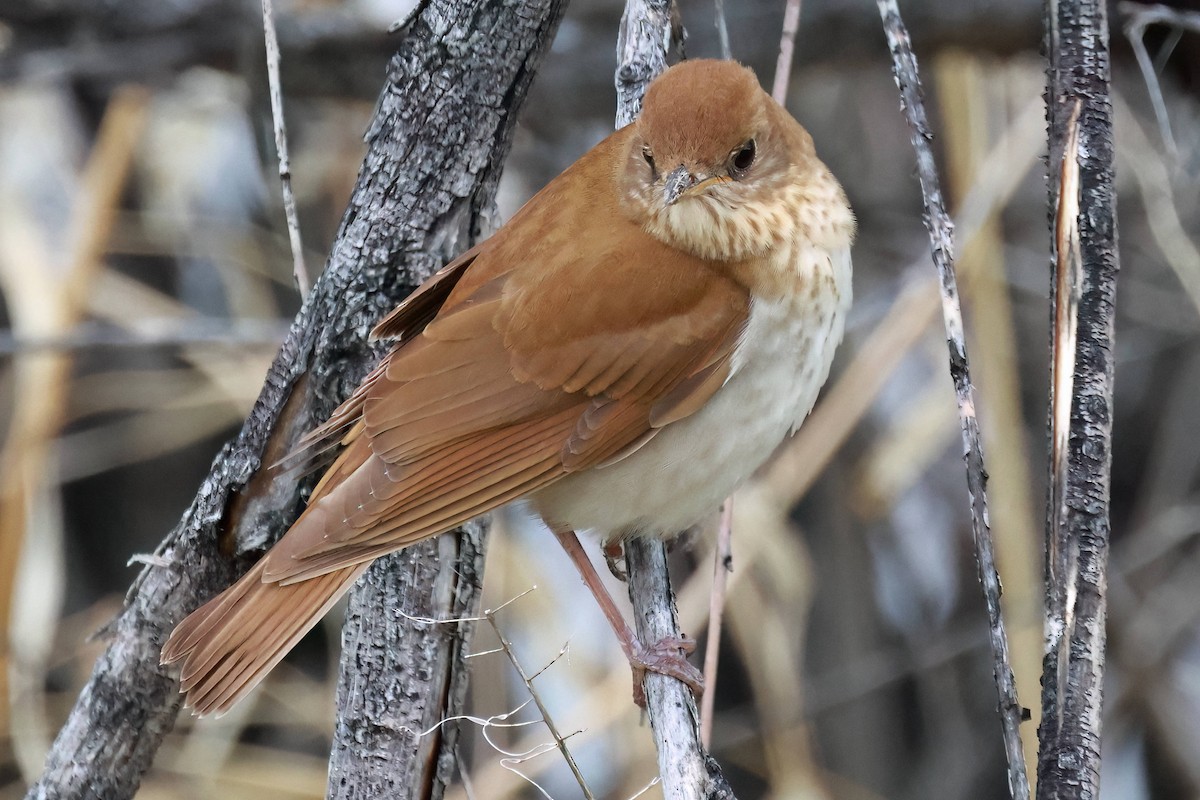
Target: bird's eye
(743, 158)
(646, 154)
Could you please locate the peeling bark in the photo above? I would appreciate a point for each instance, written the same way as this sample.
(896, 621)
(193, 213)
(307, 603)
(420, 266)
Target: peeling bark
(1077, 517)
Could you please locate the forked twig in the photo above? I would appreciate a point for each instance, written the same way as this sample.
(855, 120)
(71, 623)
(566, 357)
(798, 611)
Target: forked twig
(1139, 17)
(560, 741)
(941, 235)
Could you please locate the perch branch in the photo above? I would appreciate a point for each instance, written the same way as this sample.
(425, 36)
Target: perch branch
(686, 769)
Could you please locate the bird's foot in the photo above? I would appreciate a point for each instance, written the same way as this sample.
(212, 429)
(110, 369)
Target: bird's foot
(614, 557)
(668, 657)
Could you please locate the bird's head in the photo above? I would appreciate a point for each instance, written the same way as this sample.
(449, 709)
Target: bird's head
(715, 165)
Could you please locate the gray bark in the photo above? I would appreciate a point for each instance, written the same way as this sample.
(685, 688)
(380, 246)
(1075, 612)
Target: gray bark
(424, 193)
(448, 113)
(1077, 517)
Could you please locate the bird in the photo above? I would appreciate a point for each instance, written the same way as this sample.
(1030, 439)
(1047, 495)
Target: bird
(618, 357)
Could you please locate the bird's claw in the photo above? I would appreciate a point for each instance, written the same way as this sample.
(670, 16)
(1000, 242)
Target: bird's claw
(666, 657)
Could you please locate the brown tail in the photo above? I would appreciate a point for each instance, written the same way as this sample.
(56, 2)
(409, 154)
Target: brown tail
(231, 642)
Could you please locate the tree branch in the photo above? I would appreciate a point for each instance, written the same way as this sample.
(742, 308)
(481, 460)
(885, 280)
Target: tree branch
(941, 240)
(391, 237)
(1083, 292)
(687, 770)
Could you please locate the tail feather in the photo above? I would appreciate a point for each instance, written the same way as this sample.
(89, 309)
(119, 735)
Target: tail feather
(229, 644)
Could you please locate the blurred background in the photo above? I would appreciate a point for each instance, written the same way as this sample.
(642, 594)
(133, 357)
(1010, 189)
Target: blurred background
(146, 282)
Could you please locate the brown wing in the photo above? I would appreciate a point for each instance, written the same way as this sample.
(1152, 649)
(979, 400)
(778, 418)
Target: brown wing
(543, 360)
(561, 343)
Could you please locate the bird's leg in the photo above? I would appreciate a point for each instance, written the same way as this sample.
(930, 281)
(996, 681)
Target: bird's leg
(664, 656)
(614, 553)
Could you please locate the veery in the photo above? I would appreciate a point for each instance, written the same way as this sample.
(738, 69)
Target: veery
(623, 353)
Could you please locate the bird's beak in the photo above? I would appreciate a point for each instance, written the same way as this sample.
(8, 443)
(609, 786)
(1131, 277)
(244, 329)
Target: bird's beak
(677, 184)
(680, 182)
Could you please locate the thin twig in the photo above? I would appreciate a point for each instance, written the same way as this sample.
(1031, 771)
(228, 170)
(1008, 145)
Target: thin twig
(1139, 17)
(787, 48)
(722, 30)
(559, 740)
(303, 279)
(941, 234)
(722, 566)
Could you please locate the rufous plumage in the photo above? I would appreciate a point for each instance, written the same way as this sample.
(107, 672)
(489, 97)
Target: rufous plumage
(620, 356)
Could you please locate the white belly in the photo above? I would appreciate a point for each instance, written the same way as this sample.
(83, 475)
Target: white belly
(690, 466)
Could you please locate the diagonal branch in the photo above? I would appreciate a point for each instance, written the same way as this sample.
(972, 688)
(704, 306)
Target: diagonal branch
(390, 239)
(941, 239)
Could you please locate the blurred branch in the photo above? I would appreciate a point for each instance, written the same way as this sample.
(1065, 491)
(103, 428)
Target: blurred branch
(45, 299)
(941, 237)
(1083, 294)
(686, 769)
(722, 29)
(787, 49)
(165, 333)
(722, 566)
(1138, 18)
(303, 279)
(389, 241)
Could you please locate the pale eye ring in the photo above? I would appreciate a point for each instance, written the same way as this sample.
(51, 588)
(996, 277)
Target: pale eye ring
(742, 159)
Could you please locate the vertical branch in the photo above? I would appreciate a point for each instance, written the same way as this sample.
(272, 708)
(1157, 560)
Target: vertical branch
(399, 676)
(303, 279)
(941, 237)
(1083, 291)
(722, 29)
(686, 769)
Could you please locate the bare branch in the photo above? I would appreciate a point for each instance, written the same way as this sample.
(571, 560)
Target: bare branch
(722, 566)
(941, 236)
(389, 241)
(1139, 17)
(722, 29)
(1083, 197)
(303, 279)
(687, 771)
(787, 48)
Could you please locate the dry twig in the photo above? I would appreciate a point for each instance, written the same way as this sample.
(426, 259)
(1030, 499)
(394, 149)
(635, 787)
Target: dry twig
(722, 566)
(303, 279)
(787, 49)
(1138, 18)
(941, 235)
